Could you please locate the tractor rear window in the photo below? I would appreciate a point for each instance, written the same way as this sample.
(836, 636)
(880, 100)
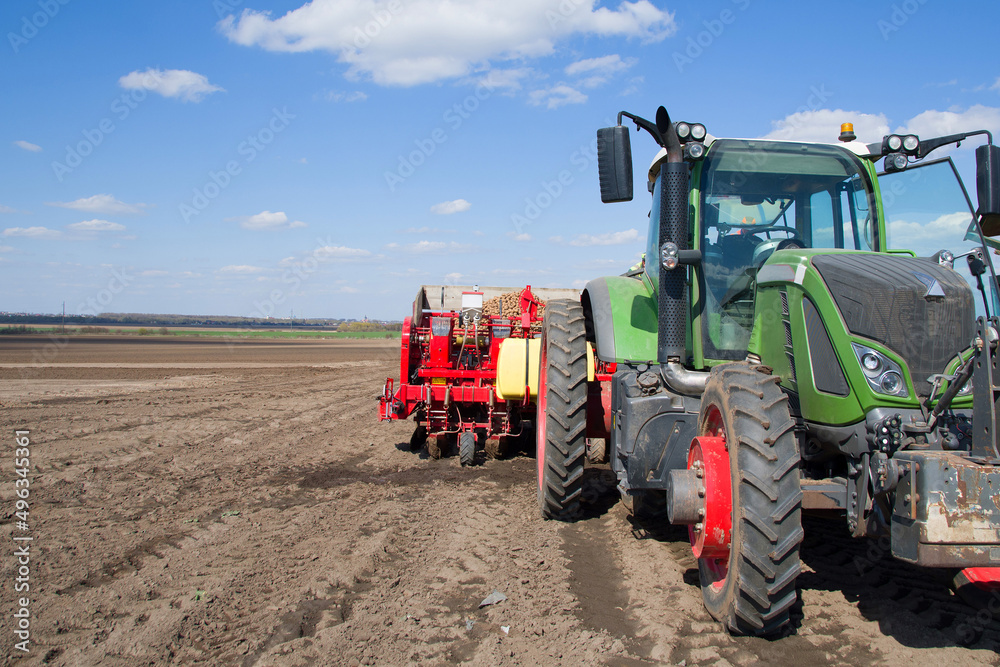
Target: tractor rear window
(761, 196)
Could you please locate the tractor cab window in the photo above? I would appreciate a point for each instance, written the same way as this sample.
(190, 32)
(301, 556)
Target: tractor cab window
(759, 197)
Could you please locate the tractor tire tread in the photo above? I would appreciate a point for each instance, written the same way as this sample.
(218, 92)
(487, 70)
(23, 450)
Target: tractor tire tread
(467, 449)
(757, 597)
(565, 443)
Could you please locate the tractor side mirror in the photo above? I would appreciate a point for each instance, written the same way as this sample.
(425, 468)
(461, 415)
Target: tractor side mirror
(614, 164)
(988, 187)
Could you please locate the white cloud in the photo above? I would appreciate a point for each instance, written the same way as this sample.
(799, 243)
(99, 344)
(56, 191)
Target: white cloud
(940, 123)
(181, 83)
(6, 248)
(598, 70)
(633, 85)
(504, 79)
(32, 232)
(153, 273)
(453, 278)
(242, 269)
(925, 239)
(427, 246)
(28, 146)
(823, 126)
(422, 41)
(996, 84)
(105, 204)
(430, 247)
(522, 237)
(341, 96)
(556, 96)
(611, 238)
(425, 230)
(449, 207)
(7, 209)
(268, 220)
(96, 226)
(340, 252)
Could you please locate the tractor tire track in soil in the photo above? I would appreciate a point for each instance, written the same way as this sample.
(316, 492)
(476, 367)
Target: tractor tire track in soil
(211, 505)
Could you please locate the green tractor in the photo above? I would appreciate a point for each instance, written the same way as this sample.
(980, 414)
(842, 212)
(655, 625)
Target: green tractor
(773, 355)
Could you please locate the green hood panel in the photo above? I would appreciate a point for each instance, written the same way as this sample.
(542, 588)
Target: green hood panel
(789, 286)
(623, 313)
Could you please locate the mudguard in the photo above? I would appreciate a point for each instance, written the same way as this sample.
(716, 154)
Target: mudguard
(621, 317)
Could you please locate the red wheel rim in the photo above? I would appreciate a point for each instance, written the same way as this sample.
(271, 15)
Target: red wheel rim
(711, 537)
(540, 404)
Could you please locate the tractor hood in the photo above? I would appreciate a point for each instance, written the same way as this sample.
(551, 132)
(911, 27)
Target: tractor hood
(922, 311)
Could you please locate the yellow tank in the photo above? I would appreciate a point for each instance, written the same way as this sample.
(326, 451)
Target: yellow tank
(514, 371)
(517, 367)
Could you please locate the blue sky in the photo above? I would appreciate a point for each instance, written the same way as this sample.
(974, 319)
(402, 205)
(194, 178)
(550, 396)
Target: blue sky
(246, 157)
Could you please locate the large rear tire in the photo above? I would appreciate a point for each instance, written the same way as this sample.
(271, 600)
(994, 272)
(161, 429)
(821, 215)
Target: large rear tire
(752, 590)
(561, 431)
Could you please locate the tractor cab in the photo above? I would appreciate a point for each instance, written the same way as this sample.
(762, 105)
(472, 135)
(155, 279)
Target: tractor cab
(756, 198)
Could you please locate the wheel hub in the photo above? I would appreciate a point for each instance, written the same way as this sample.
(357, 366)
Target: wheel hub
(708, 460)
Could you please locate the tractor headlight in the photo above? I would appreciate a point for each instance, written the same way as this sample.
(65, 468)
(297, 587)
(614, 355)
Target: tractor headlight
(872, 362)
(669, 256)
(896, 162)
(894, 143)
(883, 374)
(690, 131)
(694, 151)
(891, 382)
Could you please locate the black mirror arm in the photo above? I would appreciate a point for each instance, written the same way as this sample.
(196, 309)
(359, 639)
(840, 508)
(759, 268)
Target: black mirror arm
(643, 124)
(928, 145)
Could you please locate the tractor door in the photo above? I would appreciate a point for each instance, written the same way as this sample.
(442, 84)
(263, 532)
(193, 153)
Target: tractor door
(756, 198)
(928, 210)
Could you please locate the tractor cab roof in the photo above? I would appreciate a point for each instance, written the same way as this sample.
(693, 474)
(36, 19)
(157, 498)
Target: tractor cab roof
(855, 147)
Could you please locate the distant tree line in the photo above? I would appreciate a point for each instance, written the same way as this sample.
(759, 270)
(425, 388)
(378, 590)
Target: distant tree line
(363, 327)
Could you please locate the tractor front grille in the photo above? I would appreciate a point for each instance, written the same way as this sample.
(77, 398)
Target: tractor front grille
(920, 310)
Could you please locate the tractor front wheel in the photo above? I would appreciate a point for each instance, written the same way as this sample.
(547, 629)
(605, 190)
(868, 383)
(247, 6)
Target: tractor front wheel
(747, 541)
(561, 431)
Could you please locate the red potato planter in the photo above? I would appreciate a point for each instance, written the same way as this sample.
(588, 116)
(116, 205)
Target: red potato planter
(469, 367)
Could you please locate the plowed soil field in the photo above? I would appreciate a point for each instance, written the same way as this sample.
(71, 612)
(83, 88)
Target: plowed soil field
(238, 503)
